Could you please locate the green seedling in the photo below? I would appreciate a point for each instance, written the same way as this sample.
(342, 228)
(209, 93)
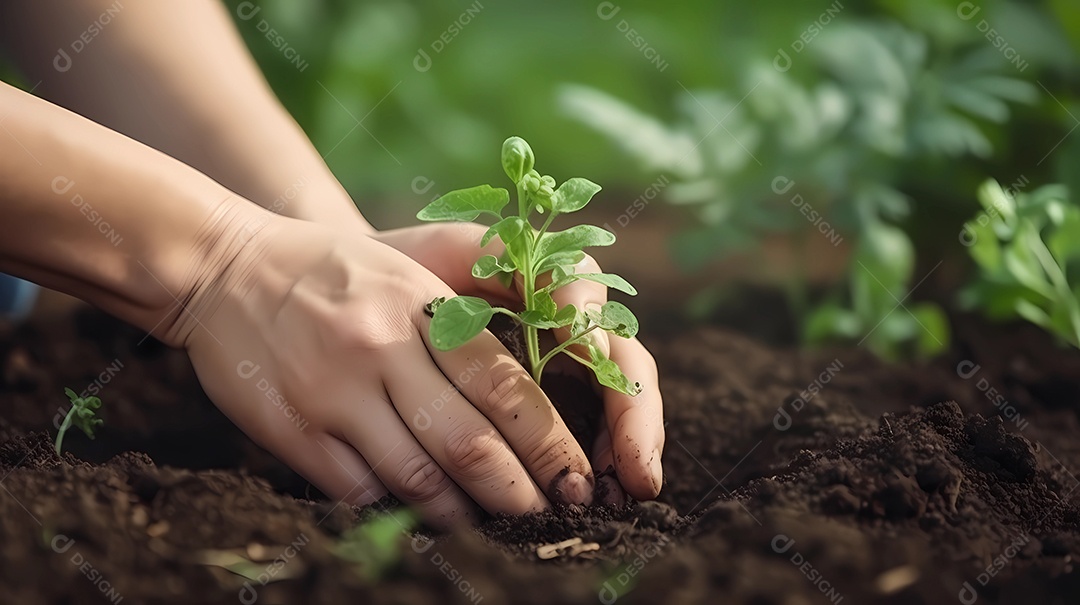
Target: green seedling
(1027, 249)
(532, 255)
(375, 545)
(81, 415)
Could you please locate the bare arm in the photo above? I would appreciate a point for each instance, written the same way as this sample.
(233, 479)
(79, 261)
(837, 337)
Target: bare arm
(177, 77)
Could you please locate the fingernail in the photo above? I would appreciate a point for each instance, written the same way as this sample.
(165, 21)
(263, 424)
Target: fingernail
(575, 489)
(656, 471)
(609, 492)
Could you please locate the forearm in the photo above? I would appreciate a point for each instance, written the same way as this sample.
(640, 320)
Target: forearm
(176, 76)
(90, 212)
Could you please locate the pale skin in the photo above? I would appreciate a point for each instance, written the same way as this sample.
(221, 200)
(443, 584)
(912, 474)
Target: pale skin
(163, 128)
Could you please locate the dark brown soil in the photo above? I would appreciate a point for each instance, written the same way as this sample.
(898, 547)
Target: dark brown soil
(893, 484)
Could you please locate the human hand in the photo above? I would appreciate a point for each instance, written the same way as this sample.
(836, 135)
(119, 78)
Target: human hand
(315, 344)
(631, 437)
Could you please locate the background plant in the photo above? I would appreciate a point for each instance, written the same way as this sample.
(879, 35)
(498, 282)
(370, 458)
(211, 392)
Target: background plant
(533, 253)
(829, 147)
(1027, 250)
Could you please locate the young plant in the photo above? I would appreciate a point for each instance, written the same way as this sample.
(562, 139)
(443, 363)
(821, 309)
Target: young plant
(80, 415)
(532, 254)
(1027, 248)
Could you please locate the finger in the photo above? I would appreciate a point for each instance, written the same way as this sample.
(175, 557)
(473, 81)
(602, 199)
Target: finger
(493, 382)
(400, 461)
(458, 436)
(636, 423)
(608, 490)
(336, 469)
(450, 251)
(585, 295)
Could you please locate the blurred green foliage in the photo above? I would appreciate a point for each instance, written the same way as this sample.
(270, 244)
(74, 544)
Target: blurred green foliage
(865, 122)
(1027, 247)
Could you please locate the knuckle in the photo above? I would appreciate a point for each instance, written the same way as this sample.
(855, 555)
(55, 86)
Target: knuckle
(420, 479)
(475, 451)
(502, 389)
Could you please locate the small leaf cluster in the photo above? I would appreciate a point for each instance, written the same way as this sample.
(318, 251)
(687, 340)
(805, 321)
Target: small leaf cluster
(1027, 250)
(81, 415)
(542, 260)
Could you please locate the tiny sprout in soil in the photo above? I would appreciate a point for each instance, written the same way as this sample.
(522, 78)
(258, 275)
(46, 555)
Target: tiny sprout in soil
(80, 415)
(533, 254)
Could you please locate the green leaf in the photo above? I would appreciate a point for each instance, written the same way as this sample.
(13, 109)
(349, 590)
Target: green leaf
(517, 158)
(573, 195)
(488, 266)
(458, 320)
(614, 317)
(934, 333)
(608, 279)
(516, 235)
(573, 239)
(829, 322)
(560, 259)
(610, 375)
(466, 204)
(564, 317)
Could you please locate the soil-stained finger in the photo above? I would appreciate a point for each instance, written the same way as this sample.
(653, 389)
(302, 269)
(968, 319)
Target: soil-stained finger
(493, 383)
(636, 423)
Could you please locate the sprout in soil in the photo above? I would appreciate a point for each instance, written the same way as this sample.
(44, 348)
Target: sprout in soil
(80, 415)
(533, 254)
